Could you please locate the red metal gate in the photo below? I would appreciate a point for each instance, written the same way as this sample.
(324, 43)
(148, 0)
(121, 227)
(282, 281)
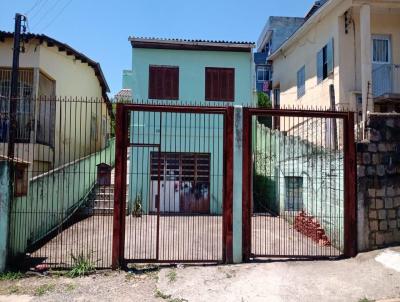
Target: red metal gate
(178, 178)
(298, 184)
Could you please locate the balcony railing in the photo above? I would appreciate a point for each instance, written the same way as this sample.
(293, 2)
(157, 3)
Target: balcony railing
(385, 79)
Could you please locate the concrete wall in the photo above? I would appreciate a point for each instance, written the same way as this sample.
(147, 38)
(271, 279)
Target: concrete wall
(378, 184)
(52, 198)
(4, 212)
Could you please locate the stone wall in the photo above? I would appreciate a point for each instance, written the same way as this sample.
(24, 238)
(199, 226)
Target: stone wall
(378, 172)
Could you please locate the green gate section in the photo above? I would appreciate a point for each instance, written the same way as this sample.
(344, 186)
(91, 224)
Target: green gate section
(279, 158)
(52, 198)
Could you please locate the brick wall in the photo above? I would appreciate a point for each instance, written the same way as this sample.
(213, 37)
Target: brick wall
(378, 172)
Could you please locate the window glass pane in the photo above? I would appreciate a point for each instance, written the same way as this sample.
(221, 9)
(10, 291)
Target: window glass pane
(380, 49)
(301, 79)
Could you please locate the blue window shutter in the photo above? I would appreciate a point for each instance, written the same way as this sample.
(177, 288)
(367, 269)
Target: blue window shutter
(320, 69)
(329, 51)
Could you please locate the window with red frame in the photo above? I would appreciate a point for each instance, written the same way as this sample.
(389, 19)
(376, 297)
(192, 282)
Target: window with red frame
(163, 82)
(220, 84)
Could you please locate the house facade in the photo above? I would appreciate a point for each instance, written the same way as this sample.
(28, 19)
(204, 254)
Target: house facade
(276, 31)
(345, 55)
(53, 123)
(183, 72)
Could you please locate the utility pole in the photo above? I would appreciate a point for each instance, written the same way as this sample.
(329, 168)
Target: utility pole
(14, 89)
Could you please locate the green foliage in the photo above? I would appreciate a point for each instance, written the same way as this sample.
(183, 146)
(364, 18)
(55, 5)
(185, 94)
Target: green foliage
(172, 276)
(45, 288)
(82, 266)
(137, 206)
(263, 100)
(264, 194)
(10, 276)
(160, 294)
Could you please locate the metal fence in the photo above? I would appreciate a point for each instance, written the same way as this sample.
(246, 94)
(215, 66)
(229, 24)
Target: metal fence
(153, 182)
(59, 199)
(175, 183)
(299, 196)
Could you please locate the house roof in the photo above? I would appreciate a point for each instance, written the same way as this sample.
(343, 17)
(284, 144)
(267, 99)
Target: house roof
(123, 94)
(63, 47)
(319, 9)
(194, 44)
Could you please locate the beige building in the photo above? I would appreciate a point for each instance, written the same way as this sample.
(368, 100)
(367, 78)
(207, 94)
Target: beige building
(54, 125)
(353, 45)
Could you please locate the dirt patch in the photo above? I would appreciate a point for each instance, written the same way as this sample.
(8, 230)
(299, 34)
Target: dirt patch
(103, 286)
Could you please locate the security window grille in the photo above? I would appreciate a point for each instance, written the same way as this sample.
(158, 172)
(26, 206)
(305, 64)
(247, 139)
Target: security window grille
(301, 82)
(163, 82)
(262, 74)
(294, 193)
(220, 84)
(325, 61)
(25, 104)
(381, 49)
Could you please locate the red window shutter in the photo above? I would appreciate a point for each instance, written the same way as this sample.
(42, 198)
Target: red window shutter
(163, 83)
(220, 84)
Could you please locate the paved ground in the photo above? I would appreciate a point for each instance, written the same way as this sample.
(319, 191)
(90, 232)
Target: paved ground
(181, 238)
(372, 276)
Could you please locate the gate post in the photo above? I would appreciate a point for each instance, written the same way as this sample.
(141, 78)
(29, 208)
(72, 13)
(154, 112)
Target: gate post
(350, 208)
(247, 185)
(227, 219)
(238, 185)
(118, 241)
(5, 204)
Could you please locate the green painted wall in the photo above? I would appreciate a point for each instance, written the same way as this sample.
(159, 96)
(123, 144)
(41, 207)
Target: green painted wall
(4, 208)
(191, 65)
(278, 156)
(182, 132)
(52, 198)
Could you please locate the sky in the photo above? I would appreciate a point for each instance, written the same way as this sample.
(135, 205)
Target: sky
(100, 29)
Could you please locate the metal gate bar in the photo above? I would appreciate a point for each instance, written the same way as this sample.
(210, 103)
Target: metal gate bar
(349, 177)
(122, 143)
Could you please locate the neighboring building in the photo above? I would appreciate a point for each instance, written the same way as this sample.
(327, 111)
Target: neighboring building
(124, 95)
(276, 31)
(352, 45)
(51, 133)
(183, 72)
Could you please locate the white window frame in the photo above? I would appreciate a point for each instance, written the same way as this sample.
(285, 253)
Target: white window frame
(384, 38)
(265, 71)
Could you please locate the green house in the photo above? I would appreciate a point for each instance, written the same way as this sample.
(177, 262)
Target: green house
(176, 162)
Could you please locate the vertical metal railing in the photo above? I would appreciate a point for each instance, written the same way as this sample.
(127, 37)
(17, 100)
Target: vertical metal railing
(299, 198)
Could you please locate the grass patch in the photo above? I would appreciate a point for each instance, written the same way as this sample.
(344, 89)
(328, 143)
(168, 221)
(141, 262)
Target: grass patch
(172, 276)
(82, 266)
(13, 289)
(43, 289)
(70, 287)
(7, 276)
(160, 294)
